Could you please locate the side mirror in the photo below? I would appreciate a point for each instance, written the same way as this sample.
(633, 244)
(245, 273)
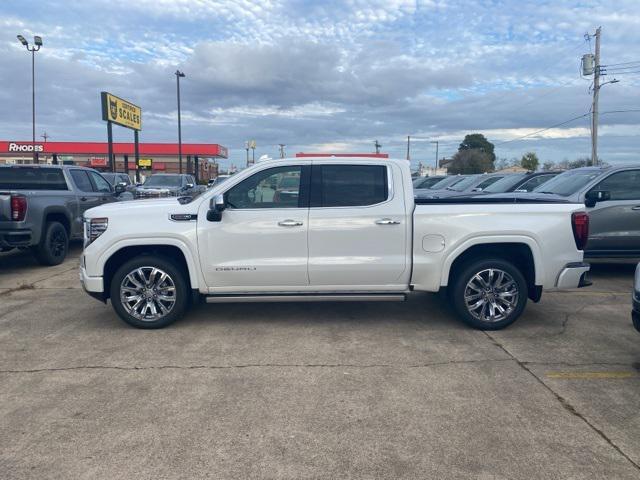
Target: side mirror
(476, 189)
(189, 185)
(594, 196)
(216, 207)
(119, 188)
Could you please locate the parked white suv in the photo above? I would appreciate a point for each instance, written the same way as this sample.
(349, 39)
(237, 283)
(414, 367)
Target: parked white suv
(347, 229)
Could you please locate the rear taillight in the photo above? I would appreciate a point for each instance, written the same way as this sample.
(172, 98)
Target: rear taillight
(580, 224)
(18, 207)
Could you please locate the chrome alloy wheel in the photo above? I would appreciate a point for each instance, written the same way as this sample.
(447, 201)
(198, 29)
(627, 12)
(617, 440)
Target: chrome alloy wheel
(491, 295)
(147, 293)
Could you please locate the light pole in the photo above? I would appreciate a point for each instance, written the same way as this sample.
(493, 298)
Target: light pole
(179, 74)
(436, 142)
(33, 49)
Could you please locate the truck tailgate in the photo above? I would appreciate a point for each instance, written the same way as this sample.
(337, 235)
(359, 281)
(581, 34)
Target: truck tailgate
(5, 206)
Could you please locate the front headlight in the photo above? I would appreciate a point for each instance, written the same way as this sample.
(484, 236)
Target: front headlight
(93, 228)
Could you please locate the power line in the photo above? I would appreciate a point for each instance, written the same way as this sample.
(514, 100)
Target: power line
(629, 67)
(621, 111)
(566, 122)
(547, 128)
(622, 73)
(623, 63)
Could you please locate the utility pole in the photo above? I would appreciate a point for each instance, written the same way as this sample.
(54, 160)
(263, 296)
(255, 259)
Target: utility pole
(45, 136)
(281, 145)
(409, 147)
(594, 107)
(437, 145)
(377, 145)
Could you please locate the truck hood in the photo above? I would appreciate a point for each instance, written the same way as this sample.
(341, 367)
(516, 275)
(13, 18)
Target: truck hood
(143, 208)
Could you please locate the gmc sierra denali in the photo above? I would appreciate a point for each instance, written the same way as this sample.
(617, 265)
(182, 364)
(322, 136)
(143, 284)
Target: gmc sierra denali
(339, 229)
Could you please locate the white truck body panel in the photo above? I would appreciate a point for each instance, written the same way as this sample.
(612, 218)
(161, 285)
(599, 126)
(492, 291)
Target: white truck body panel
(338, 249)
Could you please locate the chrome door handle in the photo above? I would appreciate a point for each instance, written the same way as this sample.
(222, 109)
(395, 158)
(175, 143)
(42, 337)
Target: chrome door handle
(290, 223)
(387, 221)
(637, 207)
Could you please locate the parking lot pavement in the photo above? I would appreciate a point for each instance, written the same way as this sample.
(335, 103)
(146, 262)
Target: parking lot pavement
(363, 390)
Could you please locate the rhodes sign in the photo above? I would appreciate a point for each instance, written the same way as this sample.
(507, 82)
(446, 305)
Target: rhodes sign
(121, 112)
(24, 147)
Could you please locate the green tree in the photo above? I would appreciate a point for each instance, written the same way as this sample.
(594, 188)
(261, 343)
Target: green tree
(477, 141)
(530, 161)
(548, 165)
(580, 162)
(470, 161)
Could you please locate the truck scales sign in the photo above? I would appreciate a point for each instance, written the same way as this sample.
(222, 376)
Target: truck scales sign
(121, 112)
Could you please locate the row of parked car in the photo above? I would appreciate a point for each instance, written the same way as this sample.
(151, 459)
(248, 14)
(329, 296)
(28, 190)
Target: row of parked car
(611, 195)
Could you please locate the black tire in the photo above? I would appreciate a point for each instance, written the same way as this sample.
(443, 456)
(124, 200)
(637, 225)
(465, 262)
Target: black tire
(53, 246)
(466, 281)
(125, 310)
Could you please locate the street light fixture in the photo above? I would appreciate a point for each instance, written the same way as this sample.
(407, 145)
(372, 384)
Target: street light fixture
(179, 75)
(37, 40)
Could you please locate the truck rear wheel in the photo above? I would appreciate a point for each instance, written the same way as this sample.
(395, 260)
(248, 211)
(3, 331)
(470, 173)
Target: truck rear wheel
(489, 294)
(53, 246)
(149, 292)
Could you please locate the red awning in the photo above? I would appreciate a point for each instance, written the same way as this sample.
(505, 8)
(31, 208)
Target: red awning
(101, 148)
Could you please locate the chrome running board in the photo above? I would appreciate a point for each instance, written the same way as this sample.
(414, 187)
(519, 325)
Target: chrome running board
(309, 297)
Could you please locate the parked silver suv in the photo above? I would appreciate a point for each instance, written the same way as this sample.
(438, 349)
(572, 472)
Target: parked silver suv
(612, 197)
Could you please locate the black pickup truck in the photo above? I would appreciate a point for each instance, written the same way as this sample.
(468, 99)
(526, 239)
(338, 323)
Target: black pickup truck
(41, 207)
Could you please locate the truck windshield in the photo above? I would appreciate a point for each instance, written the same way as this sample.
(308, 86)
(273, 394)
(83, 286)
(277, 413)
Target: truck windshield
(568, 183)
(163, 181)
(32, 178)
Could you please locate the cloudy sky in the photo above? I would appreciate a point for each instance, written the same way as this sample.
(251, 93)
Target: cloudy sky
(328, 76)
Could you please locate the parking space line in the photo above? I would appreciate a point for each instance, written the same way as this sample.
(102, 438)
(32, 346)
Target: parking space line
(590, 375)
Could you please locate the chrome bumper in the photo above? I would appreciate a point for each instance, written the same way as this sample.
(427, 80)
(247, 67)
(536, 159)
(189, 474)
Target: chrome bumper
(573, 275)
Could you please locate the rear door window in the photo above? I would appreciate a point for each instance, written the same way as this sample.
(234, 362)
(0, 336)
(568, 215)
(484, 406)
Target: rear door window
(348, 185)
(32, 178)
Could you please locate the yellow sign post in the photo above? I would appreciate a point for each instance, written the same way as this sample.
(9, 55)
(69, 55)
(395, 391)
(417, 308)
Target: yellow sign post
(124, 113)
(145, 163)
(121, 112)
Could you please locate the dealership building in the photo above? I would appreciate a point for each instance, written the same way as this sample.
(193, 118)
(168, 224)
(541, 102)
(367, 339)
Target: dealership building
(199, 159)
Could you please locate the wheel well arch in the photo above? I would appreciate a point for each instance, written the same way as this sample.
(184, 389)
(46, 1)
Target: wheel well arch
(57, 216)
(171, 252)
(519, 254)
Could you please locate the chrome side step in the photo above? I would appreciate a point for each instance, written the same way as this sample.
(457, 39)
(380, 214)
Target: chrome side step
(309, 297)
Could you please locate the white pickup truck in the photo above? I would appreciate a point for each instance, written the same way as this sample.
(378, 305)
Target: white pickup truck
(338, 229)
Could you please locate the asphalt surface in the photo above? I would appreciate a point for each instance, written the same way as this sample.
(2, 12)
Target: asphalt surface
(363, 390)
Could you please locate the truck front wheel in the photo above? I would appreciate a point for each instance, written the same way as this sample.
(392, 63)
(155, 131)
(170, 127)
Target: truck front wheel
(149, 292)
(489, 294)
